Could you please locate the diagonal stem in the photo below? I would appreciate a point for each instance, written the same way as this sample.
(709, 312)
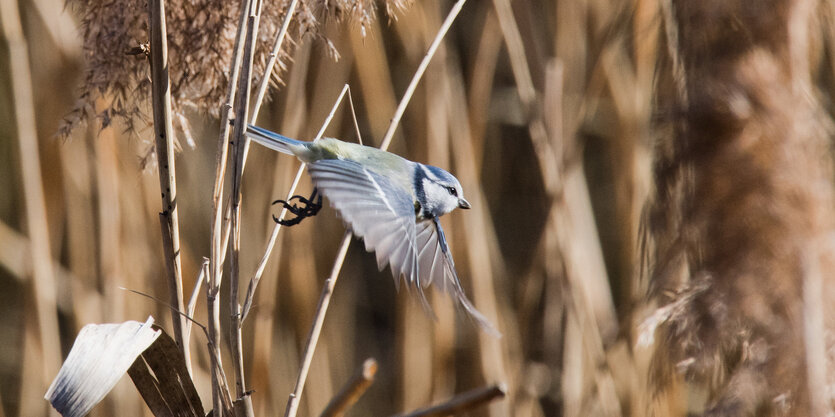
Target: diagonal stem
(259, 271)
(462, 403)
(316, 328)
(407, 96)
(353, 390)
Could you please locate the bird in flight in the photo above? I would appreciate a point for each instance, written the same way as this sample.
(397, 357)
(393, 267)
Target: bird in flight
(392, 203)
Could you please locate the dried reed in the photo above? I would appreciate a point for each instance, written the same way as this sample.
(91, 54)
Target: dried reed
(559, 117)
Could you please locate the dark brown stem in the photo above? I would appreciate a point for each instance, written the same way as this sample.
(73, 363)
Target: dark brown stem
(353, 390)
(461, 403)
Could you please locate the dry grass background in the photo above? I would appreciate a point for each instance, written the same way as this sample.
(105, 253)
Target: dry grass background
(562, 119)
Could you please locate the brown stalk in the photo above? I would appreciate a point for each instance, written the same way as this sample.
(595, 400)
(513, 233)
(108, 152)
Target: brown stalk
(262, 88)
(219, 395)
(241, 113)
(192, 303)
(13, 249)
(259, 99)
(573, 235)
(226, 400)
(353, 390)
(240, 151)
(219, 391)
(109, 262)
(277, 227)
(61, 33)
(462, 403)
(43, 271)
(482, 243)
(527, 93)
(551, 156)
(164, 142)
(482, 78)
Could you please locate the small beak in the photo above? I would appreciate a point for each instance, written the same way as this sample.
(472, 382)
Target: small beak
(464, 204)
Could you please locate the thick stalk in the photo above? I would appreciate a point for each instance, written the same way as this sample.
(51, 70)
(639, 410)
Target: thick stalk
(164, 141)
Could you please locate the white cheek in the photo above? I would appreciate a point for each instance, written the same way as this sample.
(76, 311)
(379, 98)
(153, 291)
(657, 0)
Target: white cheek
(438, 199)
(433, 195)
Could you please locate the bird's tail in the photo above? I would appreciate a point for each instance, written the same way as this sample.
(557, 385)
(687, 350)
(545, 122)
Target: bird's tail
(273, 140)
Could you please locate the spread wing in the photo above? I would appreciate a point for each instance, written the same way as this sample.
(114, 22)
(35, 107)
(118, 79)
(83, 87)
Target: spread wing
(383, 214)
(377, 210)
(437, 267)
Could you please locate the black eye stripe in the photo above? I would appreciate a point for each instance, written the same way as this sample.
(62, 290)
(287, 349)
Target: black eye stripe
(420, 174)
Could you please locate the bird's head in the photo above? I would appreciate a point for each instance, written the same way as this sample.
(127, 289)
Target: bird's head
(438, 191)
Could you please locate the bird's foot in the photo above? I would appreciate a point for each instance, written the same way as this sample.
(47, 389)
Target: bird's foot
(309, 208)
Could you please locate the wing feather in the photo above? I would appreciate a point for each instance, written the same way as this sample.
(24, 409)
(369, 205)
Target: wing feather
(375, 209)
(435, 260)
(384, 216)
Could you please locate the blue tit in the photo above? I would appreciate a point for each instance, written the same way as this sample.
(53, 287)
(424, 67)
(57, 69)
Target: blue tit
(390, 202)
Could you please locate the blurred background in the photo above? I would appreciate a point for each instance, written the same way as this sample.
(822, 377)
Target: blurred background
(549, 141)
(542, 108)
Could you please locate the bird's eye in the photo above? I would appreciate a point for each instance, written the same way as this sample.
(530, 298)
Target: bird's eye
(452, 191)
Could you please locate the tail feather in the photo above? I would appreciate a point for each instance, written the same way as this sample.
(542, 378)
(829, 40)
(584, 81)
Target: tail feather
(272, 140)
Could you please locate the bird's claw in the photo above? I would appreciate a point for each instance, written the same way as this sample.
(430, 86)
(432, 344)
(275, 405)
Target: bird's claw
(308, 209)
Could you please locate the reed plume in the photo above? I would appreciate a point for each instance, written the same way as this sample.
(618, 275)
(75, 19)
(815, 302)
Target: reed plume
(742, 211)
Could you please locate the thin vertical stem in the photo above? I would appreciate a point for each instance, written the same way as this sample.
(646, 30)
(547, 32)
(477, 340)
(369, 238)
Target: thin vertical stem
(241, 113)
(164, 140)
(219, 385)
(259, 98)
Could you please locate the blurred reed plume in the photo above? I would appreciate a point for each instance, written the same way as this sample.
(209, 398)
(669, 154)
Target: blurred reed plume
(651, 182)
(743, 212)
